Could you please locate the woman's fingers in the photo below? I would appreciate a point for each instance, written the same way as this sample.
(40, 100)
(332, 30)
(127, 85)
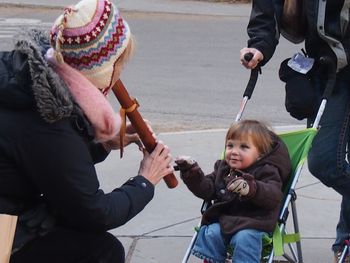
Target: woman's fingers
(156, 165)
(255, 59)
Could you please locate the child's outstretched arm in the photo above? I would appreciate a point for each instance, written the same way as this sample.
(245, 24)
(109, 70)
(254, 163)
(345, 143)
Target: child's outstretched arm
(200, 185)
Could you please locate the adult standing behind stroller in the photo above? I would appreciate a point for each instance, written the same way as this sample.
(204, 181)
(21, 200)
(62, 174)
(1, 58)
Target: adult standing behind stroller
(246, 190)
(56, 125)
(326, 33)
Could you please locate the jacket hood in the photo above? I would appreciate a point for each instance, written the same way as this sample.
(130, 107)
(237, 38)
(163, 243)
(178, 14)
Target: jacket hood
(27, 81)
(278, 157)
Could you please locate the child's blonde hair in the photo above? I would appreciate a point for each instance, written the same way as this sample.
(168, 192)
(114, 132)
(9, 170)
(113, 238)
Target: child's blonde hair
(258, 132)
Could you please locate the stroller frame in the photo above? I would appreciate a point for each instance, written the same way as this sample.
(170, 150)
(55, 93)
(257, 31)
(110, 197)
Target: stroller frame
(296, 253)
(345, 251)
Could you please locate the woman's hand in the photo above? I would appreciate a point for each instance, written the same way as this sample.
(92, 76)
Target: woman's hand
(257, 57)
(156, 165)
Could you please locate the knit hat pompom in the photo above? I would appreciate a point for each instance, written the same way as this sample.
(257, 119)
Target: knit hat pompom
(90, 37)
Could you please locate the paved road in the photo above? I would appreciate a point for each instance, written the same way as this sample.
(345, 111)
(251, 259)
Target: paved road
(186, 72)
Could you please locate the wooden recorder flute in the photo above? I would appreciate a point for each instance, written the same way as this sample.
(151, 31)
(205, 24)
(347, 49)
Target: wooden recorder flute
(139, 124)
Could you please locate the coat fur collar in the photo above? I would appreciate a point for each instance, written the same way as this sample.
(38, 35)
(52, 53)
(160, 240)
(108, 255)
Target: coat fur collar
(51, 94)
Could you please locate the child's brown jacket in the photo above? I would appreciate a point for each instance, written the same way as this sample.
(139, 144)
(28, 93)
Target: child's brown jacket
(233, 212)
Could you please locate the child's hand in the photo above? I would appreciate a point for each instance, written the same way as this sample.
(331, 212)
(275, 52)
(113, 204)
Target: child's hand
(244, 185)
(239, 186)
(184, 162)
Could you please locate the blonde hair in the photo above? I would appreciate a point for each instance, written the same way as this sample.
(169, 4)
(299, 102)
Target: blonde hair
(258, 132)
(128, 51)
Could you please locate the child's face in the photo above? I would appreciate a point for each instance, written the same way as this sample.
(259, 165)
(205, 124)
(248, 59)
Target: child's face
(240, 154)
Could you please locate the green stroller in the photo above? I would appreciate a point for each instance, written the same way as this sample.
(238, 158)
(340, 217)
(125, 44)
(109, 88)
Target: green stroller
(281, 243)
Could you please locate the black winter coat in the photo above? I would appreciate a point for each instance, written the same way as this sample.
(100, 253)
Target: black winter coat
(328, 31)
(235, 213)
(46, 148)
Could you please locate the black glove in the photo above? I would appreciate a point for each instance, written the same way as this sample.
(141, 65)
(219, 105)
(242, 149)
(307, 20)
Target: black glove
(300, 97)
(34, 222)
(38, 220)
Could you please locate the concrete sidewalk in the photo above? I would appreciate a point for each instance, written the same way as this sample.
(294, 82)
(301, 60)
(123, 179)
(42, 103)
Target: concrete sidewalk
(162, 232)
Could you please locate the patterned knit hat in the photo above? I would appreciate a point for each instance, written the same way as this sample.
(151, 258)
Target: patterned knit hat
(90, 37)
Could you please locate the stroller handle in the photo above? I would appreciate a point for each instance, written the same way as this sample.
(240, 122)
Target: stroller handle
(253, 77)
(250, 86)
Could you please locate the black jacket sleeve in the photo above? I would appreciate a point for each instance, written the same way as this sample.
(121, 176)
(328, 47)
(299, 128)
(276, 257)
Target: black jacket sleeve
(263, 29)
(98, 152)
(61, 167)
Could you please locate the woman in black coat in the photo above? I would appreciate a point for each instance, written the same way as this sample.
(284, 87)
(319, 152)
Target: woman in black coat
(56, 124)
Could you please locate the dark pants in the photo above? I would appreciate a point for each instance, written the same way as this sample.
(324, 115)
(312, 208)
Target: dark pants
(328, 159)
(69, 246)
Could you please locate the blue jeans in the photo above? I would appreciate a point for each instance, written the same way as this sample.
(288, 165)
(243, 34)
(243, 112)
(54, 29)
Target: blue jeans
(212, 245)
(327, 156)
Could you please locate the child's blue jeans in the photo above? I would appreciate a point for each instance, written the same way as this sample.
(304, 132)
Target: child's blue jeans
(327, 156)
(211, 245)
